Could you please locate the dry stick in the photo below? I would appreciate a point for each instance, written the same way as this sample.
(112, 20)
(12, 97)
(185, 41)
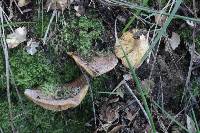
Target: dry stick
(138, 101)
(48, 27)
(5, 49)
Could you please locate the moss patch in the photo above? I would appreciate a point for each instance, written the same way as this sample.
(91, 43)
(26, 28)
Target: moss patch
(81, 33)
(39, 120)
(32, 71)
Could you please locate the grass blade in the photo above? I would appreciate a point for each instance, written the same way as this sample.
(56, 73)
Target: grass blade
(138, 85)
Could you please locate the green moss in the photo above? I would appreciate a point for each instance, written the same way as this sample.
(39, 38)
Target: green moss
(41, 24)
(31, 70)
(40, 120)
(81, 33)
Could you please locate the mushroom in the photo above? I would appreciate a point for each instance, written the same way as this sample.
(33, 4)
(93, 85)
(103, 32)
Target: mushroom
(47, 102)
(98, 65)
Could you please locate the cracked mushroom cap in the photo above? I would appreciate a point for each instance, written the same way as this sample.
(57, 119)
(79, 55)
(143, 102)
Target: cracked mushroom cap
(62, 104)
(98, 65)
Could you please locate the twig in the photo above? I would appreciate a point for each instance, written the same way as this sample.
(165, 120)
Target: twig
(138, 101)
(48, 27)
(5, 49)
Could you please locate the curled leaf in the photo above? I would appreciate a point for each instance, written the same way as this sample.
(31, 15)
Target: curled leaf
(50, 103)
(17, 37)
(134, 48)
(98, 65)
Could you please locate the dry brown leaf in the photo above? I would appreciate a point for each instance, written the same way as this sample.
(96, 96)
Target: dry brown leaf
(62, 104)
(134, 48)
(98, 65)
(22, 3)
(127, 41)
(58, 4)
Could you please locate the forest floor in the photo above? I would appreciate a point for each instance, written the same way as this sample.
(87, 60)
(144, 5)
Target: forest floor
(139, 70)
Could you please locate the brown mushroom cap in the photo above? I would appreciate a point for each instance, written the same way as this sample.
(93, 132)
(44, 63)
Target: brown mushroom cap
(62, 104)
(98, 65)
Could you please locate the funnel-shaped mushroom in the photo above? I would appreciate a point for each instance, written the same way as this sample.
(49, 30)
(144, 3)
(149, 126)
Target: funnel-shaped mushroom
(50, 103)
(98, 65)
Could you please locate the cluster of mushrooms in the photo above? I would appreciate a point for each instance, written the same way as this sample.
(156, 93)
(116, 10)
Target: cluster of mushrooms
(134, 47)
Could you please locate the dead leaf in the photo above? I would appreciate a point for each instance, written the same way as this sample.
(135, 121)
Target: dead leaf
(130, 115)
(174, 41)
(160, 19)
(191, 125)
(58, 4)
(98, 65)
(134, 48)
(17, 37)
(31, 47)
(62, 104)
(22, 3)
(109, 114)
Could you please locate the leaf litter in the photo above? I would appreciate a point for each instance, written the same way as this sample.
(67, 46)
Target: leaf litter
(114, 113)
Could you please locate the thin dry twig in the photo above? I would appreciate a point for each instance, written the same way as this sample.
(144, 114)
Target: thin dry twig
(5, 49)
(138, 101)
